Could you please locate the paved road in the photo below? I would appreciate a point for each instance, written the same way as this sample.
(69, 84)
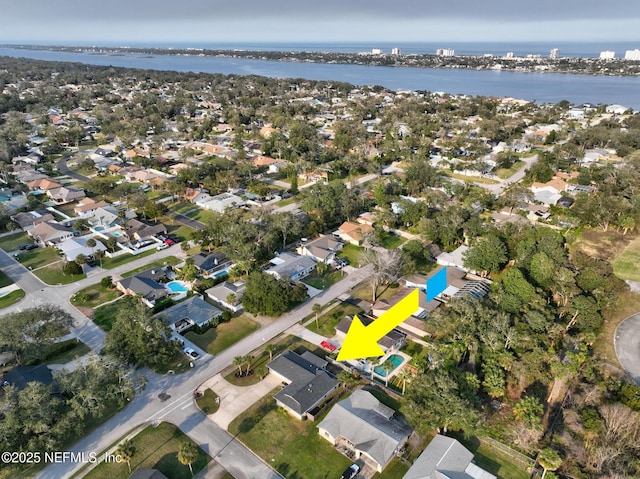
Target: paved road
(61, 164)
(185, 220)
(498, 188)
(627, 345)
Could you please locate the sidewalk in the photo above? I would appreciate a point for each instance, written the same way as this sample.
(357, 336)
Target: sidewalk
(234, 400)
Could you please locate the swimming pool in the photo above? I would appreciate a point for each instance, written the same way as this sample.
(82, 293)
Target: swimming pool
(395, 359)
(177, 286)
(116, 234)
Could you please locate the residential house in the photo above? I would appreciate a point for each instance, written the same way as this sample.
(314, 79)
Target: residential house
(212, 264)
(106, 217)
(222, 294)
(220, 203)
(366, 218)
(74, 246)
(292, 266)
(308, 382)
(27, 221)
(20, 376)
(548, 193)
(323, 249)
(66, 194)
(145, 284)
(139, 230)
(455, 258)
(392, 341)
(446, 457)
(316, 176)
(49, 233)
(43, 184)
(194, 311)
(87, 206)
(367, 427)
(353, 233)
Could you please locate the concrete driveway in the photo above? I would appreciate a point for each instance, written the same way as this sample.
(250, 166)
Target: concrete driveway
(627, 345)
(234, 400)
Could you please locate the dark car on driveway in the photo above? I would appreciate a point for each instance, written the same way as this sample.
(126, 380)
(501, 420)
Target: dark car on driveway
(28, 247)
(351, 472)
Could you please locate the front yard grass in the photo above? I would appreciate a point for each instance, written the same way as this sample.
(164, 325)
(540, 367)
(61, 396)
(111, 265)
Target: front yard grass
(351, 253)
(53, 274)
(13, 242)
(329, 320)
(395, 470)
(105, 315)
(504, 173)
(391, 240)
(155, 448)
(65, 351)
(39, 257)
(110, 263)
(627, 265)
(217, 339)
(5, 280)
(363, 291)
(182, 232)
(11, 298)
(322, 282)
(94, 295)
(292, 447)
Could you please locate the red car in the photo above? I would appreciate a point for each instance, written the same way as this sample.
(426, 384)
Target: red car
(169, 241)
(328, 346)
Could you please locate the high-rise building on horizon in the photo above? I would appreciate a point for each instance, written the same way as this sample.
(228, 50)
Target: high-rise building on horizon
(607, 55)
(554, 53)
(395, 51)
(632, 54)
(445, 52)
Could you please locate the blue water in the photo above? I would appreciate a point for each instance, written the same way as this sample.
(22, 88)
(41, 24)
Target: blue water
(395, 359)
(538, 87)
(176, 287)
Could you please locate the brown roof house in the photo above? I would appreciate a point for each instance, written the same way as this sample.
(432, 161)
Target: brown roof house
(353, 233)
(50, 233)
(66, 194)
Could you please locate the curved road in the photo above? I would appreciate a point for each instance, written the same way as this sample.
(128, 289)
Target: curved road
(627, 345)
(61, 164)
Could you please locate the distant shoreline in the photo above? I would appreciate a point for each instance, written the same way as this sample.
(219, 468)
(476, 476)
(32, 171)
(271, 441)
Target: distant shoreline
(532, 64)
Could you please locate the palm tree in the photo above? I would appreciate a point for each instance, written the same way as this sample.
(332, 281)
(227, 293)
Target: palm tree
(126, 450)
(387, 366)
(248, 358)
(270, 348)
(239, 361)
(316, 309)
(404, 375)
(187, 454)
(91, 243)
(549, 460)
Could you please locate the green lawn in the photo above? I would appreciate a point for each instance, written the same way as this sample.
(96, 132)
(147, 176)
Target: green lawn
(53, 274)
(182, 232)
(5, 280)
(325, 281)
(384, 292)
(97, 294)
(391, 241)
(395, 470)
(492, 460)
(208, 402)
(286, 202)
(331, 318)
(110, 263)
(292, 447)
(217, 339)
(627, 265)
(504, 173)
(155, 448)
(13, 242)
(351, 253)
(105, 315)
(11, 298)
(39, 257)
(65, 351)
(181, 207)
(169, 260)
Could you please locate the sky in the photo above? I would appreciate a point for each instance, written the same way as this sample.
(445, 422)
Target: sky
(125, 22)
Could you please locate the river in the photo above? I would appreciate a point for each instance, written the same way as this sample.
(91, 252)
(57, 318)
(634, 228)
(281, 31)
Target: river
(538, 87)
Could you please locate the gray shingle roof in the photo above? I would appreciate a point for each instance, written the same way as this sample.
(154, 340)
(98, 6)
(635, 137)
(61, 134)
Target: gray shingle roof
(195, 308)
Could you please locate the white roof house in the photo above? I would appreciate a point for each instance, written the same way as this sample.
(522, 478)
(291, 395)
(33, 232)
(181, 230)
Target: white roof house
(72, 247)
(221, 202)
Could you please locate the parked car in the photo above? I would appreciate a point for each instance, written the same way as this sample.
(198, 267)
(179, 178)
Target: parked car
(328, 346)
(351, 472)
(28, 247)
(192, 354)
(162, 246)
(169, 242)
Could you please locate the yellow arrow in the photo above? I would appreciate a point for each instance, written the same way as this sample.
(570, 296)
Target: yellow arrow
(362, 342)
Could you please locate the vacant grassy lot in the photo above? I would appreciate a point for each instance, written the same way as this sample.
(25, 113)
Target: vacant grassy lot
(351, 253)
(504, 173)
(110, 263)
(53, 274)
(292, 447)
(96, 294)
(65, 351)
(11, 298)
(601, 244)
(493, 460)
(627, 265)
(156, 448)
(104, 316)
(322, 282)
(628, 304)
(331, 318)
(38, 257)
(391, 241)
(13, 242)
(384, 292)
(224, 335)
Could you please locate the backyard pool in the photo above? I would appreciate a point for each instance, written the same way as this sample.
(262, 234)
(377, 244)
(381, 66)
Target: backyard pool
(395, 359)
(177, 286)
(116, 234)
